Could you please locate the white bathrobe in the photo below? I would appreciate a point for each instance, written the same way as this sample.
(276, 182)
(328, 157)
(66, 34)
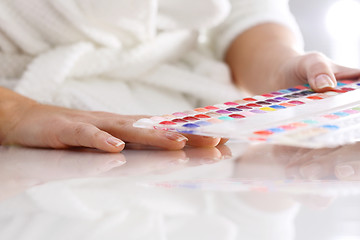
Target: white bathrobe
(129, 56)
(126, 56)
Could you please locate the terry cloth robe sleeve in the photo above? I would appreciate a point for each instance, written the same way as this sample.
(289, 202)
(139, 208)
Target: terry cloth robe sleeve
(249, 13)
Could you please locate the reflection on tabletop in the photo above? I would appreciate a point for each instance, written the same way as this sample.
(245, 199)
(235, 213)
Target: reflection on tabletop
(222, 186)
(248, 164)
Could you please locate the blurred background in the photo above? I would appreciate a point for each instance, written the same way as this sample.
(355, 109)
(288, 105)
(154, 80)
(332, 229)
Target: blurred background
(331, 27)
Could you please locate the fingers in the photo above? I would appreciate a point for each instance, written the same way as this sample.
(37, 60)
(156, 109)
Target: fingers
(345, 73)
(322, 73)
(202, 141)
(104, 133)
(58, 128)
(166, 139)
(319, 71)
(155, 138)
(87, 135)
(122, 126)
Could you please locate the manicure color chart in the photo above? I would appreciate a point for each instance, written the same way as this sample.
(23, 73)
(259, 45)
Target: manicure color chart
(295, 116)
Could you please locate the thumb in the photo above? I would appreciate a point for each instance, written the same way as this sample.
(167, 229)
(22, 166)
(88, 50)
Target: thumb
(322, 81)
(319, 72)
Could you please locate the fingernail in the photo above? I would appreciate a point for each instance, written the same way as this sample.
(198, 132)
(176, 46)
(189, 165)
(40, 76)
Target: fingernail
(311, 171)
(324, 81)
(115, 142)
(345, 170)
(176, 137)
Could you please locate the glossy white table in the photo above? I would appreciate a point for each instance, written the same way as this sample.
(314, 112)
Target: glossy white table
(234, 191)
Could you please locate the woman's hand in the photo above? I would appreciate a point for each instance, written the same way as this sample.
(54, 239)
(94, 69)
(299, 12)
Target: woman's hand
(27, 123)
(266, 58)
(55, 127)
(316, 69)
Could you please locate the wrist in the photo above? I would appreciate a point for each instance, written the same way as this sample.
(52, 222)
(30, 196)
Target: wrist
(258, 57)
(13, 107)
(283, 74)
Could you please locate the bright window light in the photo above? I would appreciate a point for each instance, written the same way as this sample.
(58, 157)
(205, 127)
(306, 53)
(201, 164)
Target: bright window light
(343, 23)
(348, 238)
(343, 18)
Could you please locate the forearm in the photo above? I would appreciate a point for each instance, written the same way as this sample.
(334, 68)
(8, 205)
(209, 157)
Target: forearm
(12, 105)
(256, 57)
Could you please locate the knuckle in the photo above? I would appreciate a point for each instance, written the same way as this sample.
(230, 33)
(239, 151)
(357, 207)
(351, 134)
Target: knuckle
(314, 59)
(98, 134)
(112, 123)
(80, 129)
(124, 121)
(315, 56)
(316, 62)
(55, 124)
(53, 134)
(319, 65)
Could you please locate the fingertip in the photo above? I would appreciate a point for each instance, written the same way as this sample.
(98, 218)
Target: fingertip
(115, 144)
(87, 135)
(323, 82)
(175, 141)
(216, 142)
(203, 141)
(176, 137)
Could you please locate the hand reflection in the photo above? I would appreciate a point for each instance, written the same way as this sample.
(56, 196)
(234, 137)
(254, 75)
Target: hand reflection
(286, 162)
(142, 160)
(298, 166)
(340, 163)
(22, 168)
